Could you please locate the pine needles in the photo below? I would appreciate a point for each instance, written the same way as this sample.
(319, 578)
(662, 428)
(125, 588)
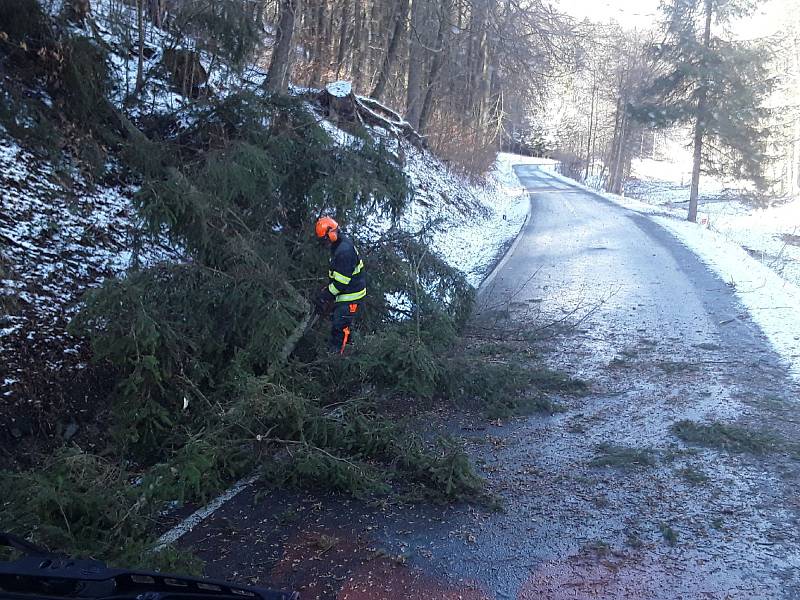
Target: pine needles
(198, 401)
(85, 505)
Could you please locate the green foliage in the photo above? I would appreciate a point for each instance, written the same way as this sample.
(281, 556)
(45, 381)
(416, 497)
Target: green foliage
(72, 71)
(86, 82)
(399, 362)
(28, 120)
(669, 534)
(84, 506)
(231, 29)
(725, 437)
(198, 470)
(722, 86)
(693, 475)
(623, 457)
(240, 195)
(445, 474)
(495, 386)
(347, 446)
(172, 338)
(504, 388)
(75, 497)
(267, 164)
(312, 468)
(192, 345)
(23, 21)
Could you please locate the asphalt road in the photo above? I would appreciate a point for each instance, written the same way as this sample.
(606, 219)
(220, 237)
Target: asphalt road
(602, 500)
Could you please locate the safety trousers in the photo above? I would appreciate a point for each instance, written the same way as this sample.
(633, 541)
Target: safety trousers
(342, 317)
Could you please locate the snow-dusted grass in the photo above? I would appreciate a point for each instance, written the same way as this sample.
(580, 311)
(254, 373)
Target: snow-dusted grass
(773, 303)
(479, 221)
(768, 234)
(59, 236)
(771, 300)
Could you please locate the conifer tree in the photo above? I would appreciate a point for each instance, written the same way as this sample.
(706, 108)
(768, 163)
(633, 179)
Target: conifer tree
(714, 84)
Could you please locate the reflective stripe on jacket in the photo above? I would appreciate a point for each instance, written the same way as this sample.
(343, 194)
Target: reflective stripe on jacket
(348, 281)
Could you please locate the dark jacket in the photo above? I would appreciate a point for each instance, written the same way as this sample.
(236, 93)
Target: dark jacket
(348, 282)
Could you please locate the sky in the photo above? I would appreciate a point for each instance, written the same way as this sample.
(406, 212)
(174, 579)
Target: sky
(642, 14)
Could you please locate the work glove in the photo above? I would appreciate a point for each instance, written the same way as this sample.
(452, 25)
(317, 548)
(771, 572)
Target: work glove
(323, 301)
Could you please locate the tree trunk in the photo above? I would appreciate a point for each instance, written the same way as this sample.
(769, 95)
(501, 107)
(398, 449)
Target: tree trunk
(156, 12)
(590, 136)
(140, 61)
(416, 63)
(436, 66)
(358, 47)
(476, 58)
(319, 24)
(699, 126)
(373, 52)
(342, 41)
(280, 63)
(391, 52)
(794, 170)
(619, 155)
(615, 143)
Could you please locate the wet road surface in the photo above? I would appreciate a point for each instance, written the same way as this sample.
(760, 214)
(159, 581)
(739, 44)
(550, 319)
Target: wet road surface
(601, 500)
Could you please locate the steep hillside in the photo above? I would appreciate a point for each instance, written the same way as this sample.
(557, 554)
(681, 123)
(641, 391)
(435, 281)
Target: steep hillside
(66, 228)
(158, 262)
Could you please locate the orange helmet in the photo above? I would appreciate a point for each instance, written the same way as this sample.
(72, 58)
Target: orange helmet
(327, 228)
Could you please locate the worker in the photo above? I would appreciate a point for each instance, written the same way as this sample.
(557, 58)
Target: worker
(347, 284)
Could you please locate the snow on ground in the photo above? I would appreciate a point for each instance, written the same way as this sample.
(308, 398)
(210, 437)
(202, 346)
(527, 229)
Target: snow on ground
(59, 237)
(771, 300)
(773, 303)
(769, 234)
(479, 221)
(469, 223)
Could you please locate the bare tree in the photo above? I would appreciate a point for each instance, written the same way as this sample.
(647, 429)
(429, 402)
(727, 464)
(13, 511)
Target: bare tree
(140, 61)
(280, 62)
(389, 58)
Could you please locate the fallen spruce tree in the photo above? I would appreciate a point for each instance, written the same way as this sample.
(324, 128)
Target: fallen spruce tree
(205, 391)
(211, 379)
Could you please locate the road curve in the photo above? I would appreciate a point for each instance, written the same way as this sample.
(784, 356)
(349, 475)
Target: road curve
(661, 339)
(601, 498)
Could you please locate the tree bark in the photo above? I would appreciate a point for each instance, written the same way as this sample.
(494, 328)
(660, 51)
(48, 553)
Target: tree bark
(358, 47)
(280, 63)
(699, 125)
(319, 25)
(140, 61)
(342, 37)
(591, 134)
(794, 170)
(618, 171)
(436, 67)
(476, 58)
(391, 52)
(416, 64)
(156, 12)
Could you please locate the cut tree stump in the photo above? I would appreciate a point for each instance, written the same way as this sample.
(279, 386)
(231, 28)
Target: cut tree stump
(341, 104)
